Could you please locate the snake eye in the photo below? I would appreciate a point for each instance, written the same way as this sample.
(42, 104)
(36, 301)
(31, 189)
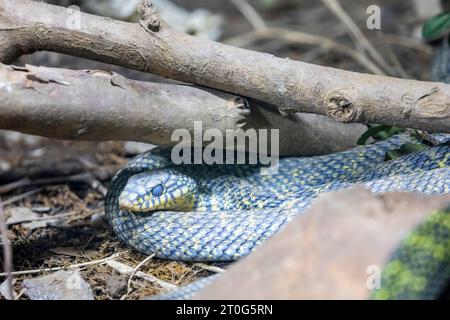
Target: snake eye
(158, 191)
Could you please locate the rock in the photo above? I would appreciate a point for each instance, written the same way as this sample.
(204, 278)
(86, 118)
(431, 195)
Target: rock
(116, 285)
(330, 251)
(61, 285)
(4, 292)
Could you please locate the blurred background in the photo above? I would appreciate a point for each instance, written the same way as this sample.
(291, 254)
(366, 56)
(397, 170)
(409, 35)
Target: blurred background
(398, 41)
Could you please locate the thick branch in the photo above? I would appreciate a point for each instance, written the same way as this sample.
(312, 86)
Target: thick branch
(98, 105)
(26, 26)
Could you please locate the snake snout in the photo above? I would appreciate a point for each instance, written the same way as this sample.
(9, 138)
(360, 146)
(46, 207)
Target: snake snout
(157, 190)
(129, 201)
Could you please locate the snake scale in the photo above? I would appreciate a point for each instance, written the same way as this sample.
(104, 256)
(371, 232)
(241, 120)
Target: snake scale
(223, 212)
(232, 209)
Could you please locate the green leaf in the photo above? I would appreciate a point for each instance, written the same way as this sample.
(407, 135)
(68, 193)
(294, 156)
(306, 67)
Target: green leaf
(392, 154)
(405, 149)
(408, 148)
(371, 133)
(380, 132)
(436, 27)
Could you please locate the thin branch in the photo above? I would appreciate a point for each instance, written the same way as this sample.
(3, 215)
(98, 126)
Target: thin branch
(299, 37)
(57, 216)
(125, 269)
(20, 294)
(77, 178)
(21, 196)
(396, 63)
(7, 252)
(356, 33)
(209, 268)
(250, 13)
(263, 31)
(408, 42)
(133, 273)
(73, 266)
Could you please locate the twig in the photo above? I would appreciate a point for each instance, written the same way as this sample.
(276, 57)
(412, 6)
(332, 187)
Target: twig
(250, 13)
(87, 178)
(262, 30)
(356, 33)
(396, 63)
(7, 252)
(13, 185)
(136, 269)
(408, 42)
(59, 167)
(58, 216)
(210, 268)
(125, 269)
(300, 37)
(21, 293)
(22, 196)
(74, 266)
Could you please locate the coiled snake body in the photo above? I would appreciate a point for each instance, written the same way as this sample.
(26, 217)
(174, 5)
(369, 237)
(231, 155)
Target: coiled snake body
(223, 212)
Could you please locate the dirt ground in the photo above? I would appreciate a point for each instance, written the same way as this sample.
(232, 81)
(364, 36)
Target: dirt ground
(70, 178)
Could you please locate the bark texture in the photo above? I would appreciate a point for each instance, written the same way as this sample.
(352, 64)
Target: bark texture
(293, 86)
(98, 105)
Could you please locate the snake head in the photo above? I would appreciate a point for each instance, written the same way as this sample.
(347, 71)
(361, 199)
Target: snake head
(158, 190)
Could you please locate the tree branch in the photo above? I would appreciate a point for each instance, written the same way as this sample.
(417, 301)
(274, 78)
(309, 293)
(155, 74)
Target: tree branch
(293, 86)
(98, 105)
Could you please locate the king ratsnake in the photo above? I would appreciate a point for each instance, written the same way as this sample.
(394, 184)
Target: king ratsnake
(228, 210)
(223, 212)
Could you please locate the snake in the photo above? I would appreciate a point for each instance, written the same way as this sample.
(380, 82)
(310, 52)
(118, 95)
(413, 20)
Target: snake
(224, 212)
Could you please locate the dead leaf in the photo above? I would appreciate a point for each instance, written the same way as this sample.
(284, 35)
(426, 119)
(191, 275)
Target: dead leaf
(61, 285)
